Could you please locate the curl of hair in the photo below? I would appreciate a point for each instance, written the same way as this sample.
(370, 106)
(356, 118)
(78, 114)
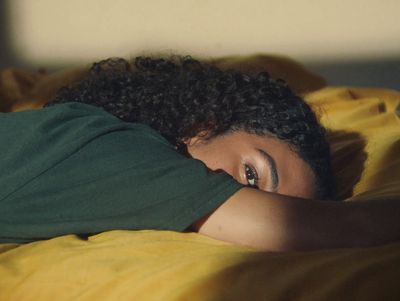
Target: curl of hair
(180, 97)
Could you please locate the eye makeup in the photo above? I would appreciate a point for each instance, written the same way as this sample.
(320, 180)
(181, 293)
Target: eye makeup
(270, 162)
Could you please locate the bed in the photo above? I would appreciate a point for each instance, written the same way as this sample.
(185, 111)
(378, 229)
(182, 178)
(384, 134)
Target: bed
(364, 133)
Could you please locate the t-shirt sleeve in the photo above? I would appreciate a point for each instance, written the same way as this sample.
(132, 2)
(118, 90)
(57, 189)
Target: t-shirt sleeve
(78, 169)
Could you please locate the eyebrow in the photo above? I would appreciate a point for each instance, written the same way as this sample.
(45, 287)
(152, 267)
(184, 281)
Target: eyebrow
(272, 168)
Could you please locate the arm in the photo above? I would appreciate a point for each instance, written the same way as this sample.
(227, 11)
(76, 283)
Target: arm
(280, 223)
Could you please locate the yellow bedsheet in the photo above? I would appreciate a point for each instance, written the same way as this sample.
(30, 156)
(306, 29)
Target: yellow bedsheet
(164, 265)
(161, 265)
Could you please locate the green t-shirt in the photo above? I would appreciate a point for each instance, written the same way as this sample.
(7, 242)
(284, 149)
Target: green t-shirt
(76, 169)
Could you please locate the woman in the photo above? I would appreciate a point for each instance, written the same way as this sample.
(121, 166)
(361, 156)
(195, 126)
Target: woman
(117, 150)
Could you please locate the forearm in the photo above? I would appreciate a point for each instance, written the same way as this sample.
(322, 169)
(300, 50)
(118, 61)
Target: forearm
(275, 222)
(330, 224)
(373, 222)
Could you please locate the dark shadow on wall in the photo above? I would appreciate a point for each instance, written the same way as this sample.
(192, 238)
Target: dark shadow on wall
(383, 73)
(8, 57)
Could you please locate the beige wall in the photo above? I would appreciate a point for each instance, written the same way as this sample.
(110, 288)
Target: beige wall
(74, 31)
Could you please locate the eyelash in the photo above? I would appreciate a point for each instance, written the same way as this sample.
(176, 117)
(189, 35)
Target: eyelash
(251, 173)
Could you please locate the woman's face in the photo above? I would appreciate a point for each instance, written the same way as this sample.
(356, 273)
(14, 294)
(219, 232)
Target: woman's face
(258, 161)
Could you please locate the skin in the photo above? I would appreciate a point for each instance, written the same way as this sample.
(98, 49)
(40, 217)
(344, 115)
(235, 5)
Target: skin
(288, 219)
(235, 152)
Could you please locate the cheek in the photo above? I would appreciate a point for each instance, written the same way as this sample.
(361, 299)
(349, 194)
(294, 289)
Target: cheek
(219, 162)
(208, 156)
(229, 166)
(216, 156)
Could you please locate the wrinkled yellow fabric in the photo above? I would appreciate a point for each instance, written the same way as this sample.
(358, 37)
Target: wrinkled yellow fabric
(365, 137)
(164, 265)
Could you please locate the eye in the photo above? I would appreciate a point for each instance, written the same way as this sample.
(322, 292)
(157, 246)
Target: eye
(251, 176)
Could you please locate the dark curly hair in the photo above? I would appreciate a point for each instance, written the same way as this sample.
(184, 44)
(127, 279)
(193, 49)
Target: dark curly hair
(180, 96)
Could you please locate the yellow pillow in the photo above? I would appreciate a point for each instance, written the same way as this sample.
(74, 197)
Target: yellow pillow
(365, 139)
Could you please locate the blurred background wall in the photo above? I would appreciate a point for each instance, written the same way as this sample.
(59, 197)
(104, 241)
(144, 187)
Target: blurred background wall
(354, 42)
